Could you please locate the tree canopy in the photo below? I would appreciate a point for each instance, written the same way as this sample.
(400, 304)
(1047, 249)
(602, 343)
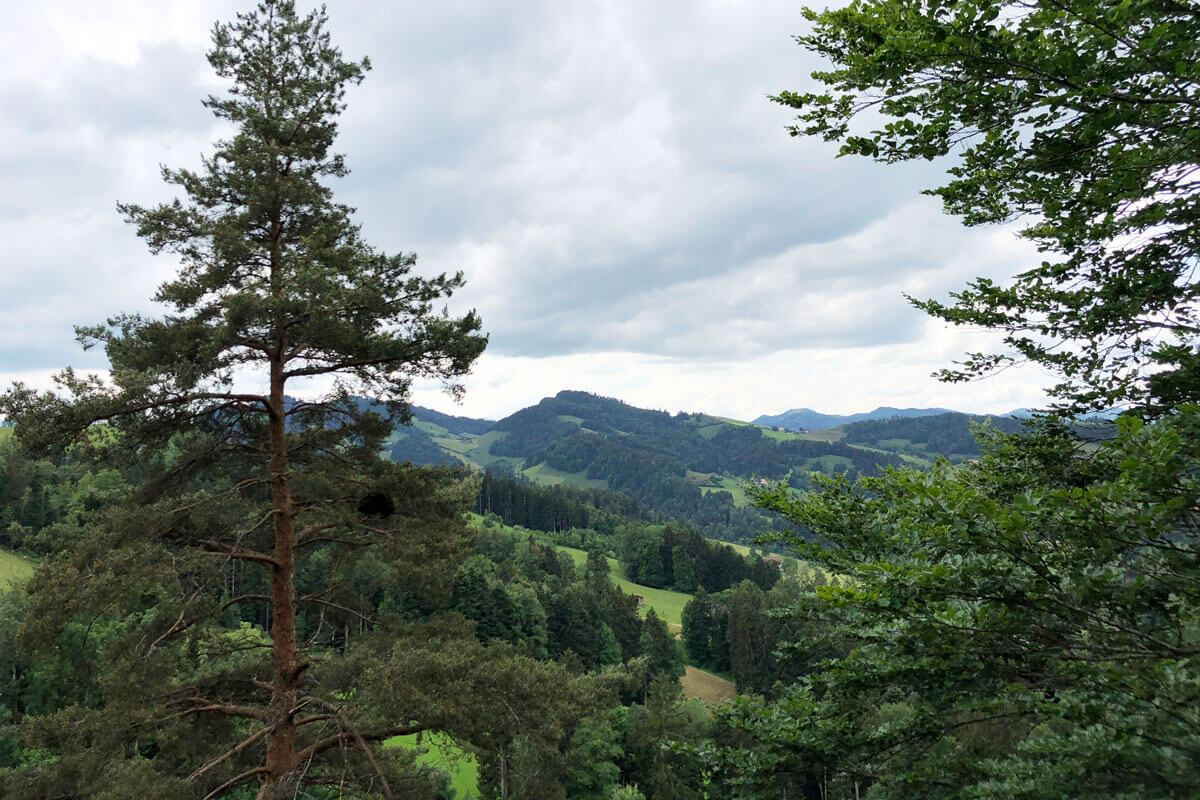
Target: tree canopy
(1080, 119)
(1024, 626)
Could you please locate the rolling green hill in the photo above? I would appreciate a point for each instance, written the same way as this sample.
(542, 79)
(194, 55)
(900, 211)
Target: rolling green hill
(576, 429)
(692, 467)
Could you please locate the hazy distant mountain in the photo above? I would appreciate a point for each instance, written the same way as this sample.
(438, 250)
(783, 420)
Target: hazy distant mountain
(808, 420)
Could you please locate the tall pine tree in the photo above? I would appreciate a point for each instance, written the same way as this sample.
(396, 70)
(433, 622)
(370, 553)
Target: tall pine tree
(244, 492)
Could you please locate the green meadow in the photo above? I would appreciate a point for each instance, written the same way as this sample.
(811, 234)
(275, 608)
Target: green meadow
(441, 752)
(13, 568)
(667, 605)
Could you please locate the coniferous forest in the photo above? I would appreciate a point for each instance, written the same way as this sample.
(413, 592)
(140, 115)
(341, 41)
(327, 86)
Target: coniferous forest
(230, 584)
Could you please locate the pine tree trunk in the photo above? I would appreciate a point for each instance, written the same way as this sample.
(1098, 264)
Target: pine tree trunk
(281, 745)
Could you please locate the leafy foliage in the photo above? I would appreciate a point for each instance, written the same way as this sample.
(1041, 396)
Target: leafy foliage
(1022, 627)
(1080, 118)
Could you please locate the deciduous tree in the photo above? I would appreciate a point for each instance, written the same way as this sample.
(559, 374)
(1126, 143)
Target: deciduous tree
(1078, 118)
(1024, 627)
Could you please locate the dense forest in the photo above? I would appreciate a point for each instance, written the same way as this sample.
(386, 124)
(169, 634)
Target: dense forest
(554, 508)
(237, 593)
(656, 458)
(950, 435)
(520, 600)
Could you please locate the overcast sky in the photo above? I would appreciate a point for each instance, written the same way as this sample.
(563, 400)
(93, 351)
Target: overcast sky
(630, 213)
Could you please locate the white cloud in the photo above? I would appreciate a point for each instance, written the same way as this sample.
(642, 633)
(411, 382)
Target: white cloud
(630, 214)
(842, 380)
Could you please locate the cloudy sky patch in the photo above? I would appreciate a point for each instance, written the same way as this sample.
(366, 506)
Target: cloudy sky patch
(629, 211)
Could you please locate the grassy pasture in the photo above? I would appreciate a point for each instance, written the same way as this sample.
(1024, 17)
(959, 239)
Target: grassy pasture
(667, 605)
(706, 686)
(782, 436)
(13, 568)
(549, 476)
(735, 486)
(743, 550)
(454, 444)
(432, 428)
(441, 752)
(829, 435)
(480, 450)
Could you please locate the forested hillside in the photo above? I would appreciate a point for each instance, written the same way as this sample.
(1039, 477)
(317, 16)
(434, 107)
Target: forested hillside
(236, 593)
(684, 466)
(950, 434)
(687, 466)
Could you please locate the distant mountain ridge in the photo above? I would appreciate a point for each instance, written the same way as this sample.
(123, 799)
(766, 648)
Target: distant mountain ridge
(689, 466)
(809, 420)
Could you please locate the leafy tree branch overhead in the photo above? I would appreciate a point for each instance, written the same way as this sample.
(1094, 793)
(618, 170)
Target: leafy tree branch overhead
(1081, 121)
(1023, 625)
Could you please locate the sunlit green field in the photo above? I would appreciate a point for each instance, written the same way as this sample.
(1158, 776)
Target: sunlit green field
(667, 605)
(13, 568)
(441, 752)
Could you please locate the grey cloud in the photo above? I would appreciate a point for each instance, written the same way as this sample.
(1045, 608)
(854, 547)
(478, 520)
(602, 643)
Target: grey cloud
(606, 173)
(717, 183)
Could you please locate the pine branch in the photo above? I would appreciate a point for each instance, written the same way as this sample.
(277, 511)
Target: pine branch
(241, 553)
(229, 784)
(321, 745)
(233, 751)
